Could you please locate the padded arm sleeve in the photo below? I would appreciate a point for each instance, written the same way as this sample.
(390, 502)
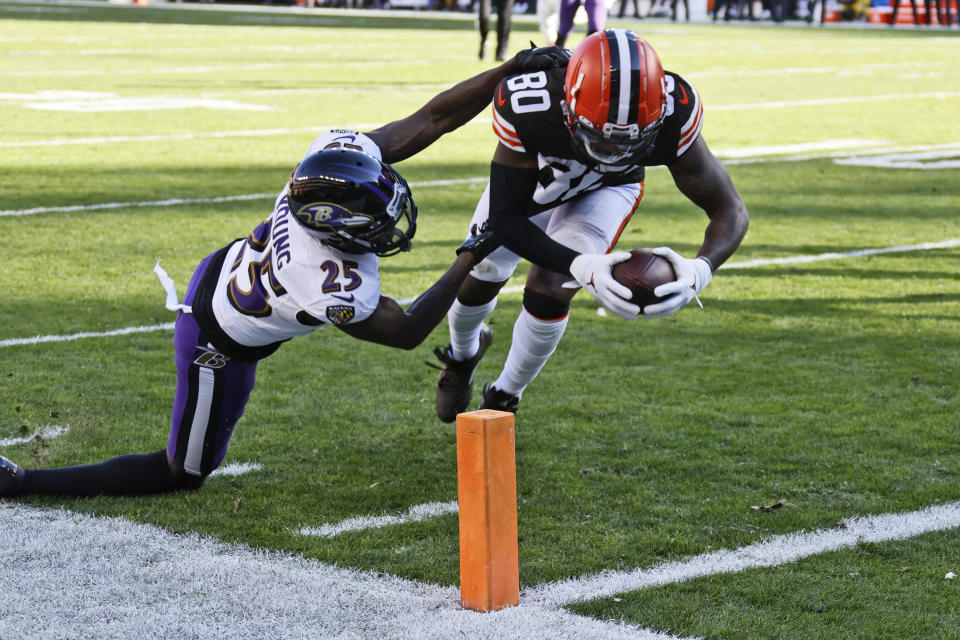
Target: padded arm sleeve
(511, 190)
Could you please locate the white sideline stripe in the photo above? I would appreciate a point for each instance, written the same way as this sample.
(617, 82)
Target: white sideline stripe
(52, 431)
(13, 342)
(237, 469)
(275, 48)
(949, 159)
(220, 586)
(729, 153)
(177, 201)
(946, 244)
(222, 590)
(926, 246)
(816, 102)
(845, 154)
(772, 552)
(269, 132)
(799, 147)
(843, 69)
(114, 103)
(242, 133)
(263, 66)
(147, 203)
(414, 514)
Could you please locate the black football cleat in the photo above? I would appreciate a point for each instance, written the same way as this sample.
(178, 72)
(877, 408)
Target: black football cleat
(455, 387)
(499, 400)
(11, 478)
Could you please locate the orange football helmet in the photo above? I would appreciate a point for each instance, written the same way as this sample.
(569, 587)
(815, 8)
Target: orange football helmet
(615, 96)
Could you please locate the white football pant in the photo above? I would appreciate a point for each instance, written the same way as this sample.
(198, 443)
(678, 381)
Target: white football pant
(591, 223)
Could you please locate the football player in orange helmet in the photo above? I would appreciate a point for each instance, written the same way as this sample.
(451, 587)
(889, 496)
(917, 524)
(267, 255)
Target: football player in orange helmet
(566, 177)
(614, 108)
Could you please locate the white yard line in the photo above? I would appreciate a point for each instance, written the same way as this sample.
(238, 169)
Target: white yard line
(926, 246)
(789, 71)
(844, 144)
(215, 69)
(242, 133)
(768, 553)
(817, 102)
(13, 342)
(945, 244)
(413, 514)
(178, 201)
(269, 132)
(236, 469)
(106, 102)
(130, 205)
(99, 564)
(153, 583)
(730, 156)
(154, 51)
(46, 433)
(846, 154)
(947, 159)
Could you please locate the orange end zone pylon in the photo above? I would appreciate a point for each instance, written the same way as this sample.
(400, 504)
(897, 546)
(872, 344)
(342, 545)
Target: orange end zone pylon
(487, 493)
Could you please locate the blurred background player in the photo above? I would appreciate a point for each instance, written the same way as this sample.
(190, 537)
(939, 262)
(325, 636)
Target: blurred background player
(312, 262)
(596, 17)
(636, 9)
(565, 179)
(548, 19)
(504, 18)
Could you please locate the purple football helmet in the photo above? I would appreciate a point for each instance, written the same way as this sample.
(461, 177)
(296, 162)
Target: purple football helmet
(358, 203)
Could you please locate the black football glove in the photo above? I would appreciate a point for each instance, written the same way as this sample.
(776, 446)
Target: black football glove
(542, 58)
(481, 243)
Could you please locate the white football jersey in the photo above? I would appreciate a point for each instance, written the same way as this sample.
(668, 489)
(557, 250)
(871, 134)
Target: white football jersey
(281, 282)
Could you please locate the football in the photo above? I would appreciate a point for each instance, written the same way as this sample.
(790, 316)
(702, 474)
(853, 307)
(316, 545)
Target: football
(643, 273)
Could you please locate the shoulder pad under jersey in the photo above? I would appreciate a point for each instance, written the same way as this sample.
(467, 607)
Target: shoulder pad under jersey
(683, 122)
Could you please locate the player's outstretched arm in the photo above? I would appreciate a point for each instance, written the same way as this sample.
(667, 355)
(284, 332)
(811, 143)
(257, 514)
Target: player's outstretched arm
(456, 106)
(703, 179)
(390, 325)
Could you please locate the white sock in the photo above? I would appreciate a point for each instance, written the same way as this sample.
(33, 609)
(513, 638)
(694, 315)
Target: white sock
(534, 341)
(465, 325)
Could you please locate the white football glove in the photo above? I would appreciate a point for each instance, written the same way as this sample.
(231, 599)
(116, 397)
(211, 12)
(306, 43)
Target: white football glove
(594, 272)
(692, 276)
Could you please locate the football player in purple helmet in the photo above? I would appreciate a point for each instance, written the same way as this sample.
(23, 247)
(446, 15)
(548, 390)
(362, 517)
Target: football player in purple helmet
(313, 261)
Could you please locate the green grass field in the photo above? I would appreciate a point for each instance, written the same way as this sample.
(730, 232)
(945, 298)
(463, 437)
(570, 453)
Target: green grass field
(830, 387)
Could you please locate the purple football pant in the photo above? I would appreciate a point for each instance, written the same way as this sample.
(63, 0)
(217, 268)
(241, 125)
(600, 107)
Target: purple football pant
(212, 390)
(596, 15)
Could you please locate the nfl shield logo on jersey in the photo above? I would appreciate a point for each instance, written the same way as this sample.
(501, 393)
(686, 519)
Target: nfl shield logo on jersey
(340, 313)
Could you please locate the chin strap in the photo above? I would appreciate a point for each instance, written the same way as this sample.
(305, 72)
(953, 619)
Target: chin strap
(173, 301)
